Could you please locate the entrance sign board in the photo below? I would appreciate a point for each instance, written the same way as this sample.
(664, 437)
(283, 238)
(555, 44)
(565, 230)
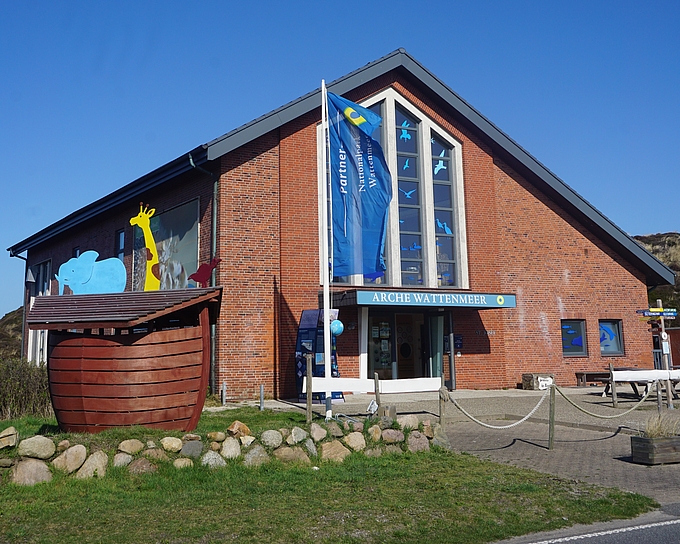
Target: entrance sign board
(418, 298)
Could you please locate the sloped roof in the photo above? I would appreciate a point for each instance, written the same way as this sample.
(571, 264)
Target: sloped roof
(117, 310)
(655, 271)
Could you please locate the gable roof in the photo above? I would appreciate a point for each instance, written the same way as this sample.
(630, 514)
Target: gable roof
(655, 271)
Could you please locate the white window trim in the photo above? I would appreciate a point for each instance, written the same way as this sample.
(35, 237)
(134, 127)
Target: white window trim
(392, 251)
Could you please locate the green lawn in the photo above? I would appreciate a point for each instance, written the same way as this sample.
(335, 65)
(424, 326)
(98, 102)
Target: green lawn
(438, 497)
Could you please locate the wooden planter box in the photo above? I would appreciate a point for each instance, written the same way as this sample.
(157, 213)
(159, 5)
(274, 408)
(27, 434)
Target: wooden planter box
(655, 451)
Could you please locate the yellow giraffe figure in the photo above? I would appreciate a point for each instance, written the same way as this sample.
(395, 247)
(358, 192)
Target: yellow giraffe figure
(142, 220)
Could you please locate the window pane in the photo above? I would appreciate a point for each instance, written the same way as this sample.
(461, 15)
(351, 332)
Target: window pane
(573, 337)
(440, 169)
(446, 274)
(409, 219)
(411, 273)
(407, 133)
(408, 166)
(377, 133)
(411, 246)
(439, 148)
(443, 221)
(610, 338)
(442, 196)
(444, 248)
(408, 193)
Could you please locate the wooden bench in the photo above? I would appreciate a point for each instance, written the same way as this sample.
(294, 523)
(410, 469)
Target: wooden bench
(598, 376)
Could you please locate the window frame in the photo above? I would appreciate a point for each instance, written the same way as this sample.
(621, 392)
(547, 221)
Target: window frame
(564, 323)
(618, 325)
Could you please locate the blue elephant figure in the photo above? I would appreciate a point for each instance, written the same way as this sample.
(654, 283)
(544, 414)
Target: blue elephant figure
(85, 275)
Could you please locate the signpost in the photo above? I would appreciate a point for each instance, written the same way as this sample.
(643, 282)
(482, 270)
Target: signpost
(661, 314)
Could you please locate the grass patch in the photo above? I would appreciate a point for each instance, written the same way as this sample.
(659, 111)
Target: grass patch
(395, 498)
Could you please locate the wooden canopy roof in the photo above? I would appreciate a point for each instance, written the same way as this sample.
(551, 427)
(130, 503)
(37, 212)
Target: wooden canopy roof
(118, 310)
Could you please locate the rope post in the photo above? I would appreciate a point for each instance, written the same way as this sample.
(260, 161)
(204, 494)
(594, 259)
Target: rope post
(376, 380)
(308, 381)
(551, 426)
(442, 401)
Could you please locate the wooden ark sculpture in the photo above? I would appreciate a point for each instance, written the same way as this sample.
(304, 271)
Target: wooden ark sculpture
(132, 358)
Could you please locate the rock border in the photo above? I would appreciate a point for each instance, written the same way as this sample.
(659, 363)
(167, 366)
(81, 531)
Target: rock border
(332, 441)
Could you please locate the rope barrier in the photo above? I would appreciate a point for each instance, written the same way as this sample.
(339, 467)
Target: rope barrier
(649, 390)
(500, 426)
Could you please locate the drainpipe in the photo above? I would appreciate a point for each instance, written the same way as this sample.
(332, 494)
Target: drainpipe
(213, 252)
(23, 316)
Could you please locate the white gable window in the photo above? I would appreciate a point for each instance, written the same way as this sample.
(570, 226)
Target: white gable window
(426, 241)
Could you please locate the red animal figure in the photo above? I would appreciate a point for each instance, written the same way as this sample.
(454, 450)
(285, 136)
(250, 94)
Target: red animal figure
(202, 275)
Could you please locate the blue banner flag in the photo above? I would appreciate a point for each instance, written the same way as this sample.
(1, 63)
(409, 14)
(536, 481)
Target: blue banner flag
(361, 188)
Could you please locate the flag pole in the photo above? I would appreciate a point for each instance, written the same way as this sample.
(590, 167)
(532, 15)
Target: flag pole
(325, 271)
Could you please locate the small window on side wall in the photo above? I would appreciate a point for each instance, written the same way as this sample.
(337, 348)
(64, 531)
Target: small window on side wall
(574, 337)
(120, 244)
(611, 339)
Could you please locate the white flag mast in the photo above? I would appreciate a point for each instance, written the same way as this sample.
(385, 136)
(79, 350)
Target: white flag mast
(326, 270)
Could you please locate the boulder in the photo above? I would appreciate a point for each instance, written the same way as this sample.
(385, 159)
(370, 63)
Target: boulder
(440, 438)
(171, 444)
(335, 430)
(238, 429)
(355, 440)
(212, 459)
(393, 449)
(372, 452)
(317, 432)
(231, 448)
(256, 456)
(9, 437)
(95, 465)
(385, 422)
(247, 440)
(192, 448)
(409, 421)
(292, 455)
(31, 472)
(122, 459)
(71, 460)
(391, 436)
(63, 446)
(132, 446)
(217, 436)
(183, 462)
(189, 437)
(156, 453)
(375, 433)
(271, 439)
(37, 447)
(297, 435)
(417, 442)
(334, 451)
(311, 447)
(142, 466)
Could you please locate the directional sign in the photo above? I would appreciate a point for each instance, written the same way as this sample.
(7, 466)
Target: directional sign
(665, 313)
(658, 311)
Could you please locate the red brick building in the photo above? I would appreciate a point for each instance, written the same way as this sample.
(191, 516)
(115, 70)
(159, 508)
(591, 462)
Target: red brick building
(495, 267)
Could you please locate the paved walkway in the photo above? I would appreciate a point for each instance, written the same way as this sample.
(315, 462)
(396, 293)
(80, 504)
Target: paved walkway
(585, 448)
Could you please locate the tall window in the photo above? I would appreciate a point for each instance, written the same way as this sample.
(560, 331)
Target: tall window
(442, 188)
(408, 179)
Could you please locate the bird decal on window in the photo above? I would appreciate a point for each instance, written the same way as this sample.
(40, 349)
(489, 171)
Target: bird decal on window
(407, 194)
(440, 164)
(443, 226)
(406, 165)
(405, 135)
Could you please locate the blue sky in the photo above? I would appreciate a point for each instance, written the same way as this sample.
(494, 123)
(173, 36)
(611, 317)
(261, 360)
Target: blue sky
(94, 95)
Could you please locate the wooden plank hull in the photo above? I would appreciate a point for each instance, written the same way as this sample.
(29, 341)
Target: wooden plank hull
(155, 379)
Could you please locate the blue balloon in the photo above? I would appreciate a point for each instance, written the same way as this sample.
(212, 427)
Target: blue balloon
(337, 327)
